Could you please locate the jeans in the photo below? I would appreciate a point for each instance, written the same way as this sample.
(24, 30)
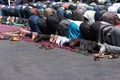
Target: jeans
(33, 23)
(112, 49)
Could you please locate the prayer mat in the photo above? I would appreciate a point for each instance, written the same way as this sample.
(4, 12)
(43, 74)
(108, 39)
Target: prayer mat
(10, 30)
(47, 43)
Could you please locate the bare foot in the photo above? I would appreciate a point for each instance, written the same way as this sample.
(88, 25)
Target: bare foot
(55, 38)
(12, 19)
(99, 55)
(8, 18)
(34, 35)
(0, 17)
(51, 38)
(1, 36)
(24, 32)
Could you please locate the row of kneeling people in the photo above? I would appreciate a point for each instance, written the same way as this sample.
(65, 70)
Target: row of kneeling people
(90, 37)
(81, 12)
(65, 9)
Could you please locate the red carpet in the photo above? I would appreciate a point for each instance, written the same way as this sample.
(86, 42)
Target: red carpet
(10, 28)
(57, 46)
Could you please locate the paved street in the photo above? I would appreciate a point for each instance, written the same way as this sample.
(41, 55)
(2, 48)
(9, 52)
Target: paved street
(25, 61)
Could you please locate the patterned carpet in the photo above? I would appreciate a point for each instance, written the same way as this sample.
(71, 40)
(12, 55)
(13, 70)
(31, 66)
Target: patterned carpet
(11, 31)
(8, 28)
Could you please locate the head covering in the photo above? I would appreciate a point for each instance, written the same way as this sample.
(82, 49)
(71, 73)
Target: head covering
(116, 5)
(112, 9)
(89, 14)
(101, 2)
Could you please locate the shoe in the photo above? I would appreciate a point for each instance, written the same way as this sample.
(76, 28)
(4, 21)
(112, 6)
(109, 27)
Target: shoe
(49, 47)
(46, 47)
(42, 46)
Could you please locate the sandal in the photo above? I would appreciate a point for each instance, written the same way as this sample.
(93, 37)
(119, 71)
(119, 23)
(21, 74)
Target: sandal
(49, 47)
(46, 47)
(42, 46)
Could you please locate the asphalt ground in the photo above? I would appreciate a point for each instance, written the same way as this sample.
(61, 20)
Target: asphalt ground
(25, 61)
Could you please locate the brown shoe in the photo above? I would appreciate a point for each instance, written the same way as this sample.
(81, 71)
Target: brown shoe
(49, 47)
(42, 46)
